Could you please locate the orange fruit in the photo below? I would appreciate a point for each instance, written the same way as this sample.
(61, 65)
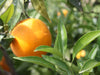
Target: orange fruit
(4, 65)
(29, 34)
(64, 11)
(83, 53)
(78, 55)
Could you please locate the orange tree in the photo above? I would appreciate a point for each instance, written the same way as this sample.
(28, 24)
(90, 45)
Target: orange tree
(44, 37)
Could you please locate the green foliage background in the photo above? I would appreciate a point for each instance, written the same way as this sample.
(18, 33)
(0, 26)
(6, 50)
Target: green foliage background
(80, 29)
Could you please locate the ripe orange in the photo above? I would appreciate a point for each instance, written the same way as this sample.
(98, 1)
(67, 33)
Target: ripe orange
(78, 55)
(29, 34)
(83, 53)
(4, 65)
(64, 11)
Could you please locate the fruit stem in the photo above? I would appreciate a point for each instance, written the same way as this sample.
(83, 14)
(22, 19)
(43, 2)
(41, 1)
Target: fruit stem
(9, 62)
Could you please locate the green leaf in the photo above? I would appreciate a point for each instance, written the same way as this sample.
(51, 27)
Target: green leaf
(84, 41)
(36, 60)
(39, 5)
(58, 63)
(5, 6)
(2, 3)
(5, 42)
(98, 28)
(48, 49)
(93, 52)
(17, 13)
(88, 65)
(61, 40)
(8, 14)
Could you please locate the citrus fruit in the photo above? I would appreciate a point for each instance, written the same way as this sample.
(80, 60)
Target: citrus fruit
(83, 53)
(64, 11)
(78, 55)
(28, 35)
(4, 65)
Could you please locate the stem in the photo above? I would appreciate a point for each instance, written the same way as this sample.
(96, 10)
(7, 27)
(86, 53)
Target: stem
(8, 61)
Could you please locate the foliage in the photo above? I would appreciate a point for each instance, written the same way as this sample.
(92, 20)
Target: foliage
(80, 29)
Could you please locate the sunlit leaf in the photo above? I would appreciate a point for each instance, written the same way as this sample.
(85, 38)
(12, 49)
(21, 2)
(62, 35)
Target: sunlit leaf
(8, 14)
(49, 50)
(39, 5)
(5, 6)
(36, 60)
(17, 13)
(88, 65)
(61, 39)
(84, 41)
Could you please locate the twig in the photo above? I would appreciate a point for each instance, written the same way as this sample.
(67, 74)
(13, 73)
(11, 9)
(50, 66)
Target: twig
(8, 60)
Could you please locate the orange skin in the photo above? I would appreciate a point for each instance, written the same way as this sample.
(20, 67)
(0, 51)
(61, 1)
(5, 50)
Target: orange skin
(80, 54)
(64, 11)
(4, 65)
(29, 34)
(83, 53)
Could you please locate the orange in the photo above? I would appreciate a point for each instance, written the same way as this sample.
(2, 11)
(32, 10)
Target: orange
(4, 65)
(78, 55)
(64, 11)
(29, 34)
(83, 53)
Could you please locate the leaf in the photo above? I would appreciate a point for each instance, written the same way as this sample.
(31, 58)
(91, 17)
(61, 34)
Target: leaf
(61, 40)
(17, 13)
(84, 41)
(5, 6)
(39, 5)
(77, 4)
(36, 60)
(5, 42)
(88, 65)
(93, 52)
(98, 28)
(8, 14)
(48, 49)
(58, 63)
(1, 37)
(2, 3)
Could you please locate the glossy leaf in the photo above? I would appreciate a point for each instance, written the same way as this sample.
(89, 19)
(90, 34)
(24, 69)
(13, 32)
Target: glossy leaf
(49, 50)
(58, 63)
(61, 39)
(36, 60)
(5, 6)
(88, 65)
(17, 13)
(8, 14)
(84, 41)
(39, 5)
(93, 52)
